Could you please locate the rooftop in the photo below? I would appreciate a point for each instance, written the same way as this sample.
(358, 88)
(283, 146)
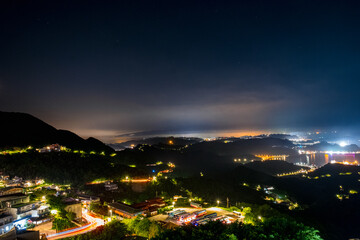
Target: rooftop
(19, 205)
(13, 196)
(124, 208)
(70, 201)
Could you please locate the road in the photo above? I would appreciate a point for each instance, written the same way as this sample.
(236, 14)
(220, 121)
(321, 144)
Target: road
(93, 223)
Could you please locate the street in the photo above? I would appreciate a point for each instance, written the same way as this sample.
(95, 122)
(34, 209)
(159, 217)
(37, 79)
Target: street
(93, 223)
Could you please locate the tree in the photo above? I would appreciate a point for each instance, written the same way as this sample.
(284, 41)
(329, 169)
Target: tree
(99, 209)
(284, 228)
(71, 216)
(154, 230)
(56, 203)
(142, 227)
(60, 223)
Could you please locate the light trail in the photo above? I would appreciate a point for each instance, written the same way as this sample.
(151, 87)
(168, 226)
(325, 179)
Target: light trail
(94, 222)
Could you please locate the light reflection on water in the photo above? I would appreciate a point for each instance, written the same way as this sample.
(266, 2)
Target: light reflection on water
(320, 159)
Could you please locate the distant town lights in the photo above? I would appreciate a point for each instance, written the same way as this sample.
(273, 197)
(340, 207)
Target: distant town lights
(343, 144)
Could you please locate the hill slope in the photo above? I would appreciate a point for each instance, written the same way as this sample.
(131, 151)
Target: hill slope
(274, 167)
(21, 129)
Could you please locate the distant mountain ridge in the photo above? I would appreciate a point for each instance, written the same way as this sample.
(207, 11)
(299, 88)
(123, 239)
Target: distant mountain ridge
(325, 146)
(180, 141)
(22, 129)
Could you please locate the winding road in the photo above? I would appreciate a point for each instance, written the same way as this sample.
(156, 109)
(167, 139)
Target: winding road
(93, 223)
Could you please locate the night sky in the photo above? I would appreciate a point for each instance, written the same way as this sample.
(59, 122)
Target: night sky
(109, 68)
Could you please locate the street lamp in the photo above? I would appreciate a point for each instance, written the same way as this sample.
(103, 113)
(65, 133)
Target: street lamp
(54, 211)
(218, 202)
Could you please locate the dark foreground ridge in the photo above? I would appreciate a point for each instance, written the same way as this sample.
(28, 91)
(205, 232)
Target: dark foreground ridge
(22, 129)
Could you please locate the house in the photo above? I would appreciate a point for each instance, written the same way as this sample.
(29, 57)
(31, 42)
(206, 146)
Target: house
(9, 200)
(40, 215)
(23, 210)
(124, 210)
(110, 186)
(6, 223)
(87, 200)
(10, 191)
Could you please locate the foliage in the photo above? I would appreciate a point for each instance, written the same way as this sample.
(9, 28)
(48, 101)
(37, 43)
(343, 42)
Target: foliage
(142, 227)
(252, 212)
(61, 223)
(57, 203)
(164, 210)
(99, 208)
(38, 194)
(70, 216)
(115, 230)
(273, 228)
(64, 167)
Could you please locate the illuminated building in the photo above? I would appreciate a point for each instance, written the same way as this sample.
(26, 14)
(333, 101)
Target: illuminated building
(124, 210)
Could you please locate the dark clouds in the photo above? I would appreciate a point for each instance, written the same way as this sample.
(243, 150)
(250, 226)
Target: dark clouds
(109, 68)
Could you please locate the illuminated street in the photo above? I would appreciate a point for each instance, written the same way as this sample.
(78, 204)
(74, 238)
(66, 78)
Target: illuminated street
(93, 223)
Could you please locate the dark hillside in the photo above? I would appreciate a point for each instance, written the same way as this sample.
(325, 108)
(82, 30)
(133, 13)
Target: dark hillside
(22, 130)
(274, 167)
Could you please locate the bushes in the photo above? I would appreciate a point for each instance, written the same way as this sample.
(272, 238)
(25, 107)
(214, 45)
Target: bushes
(60, 223)
(142, 227)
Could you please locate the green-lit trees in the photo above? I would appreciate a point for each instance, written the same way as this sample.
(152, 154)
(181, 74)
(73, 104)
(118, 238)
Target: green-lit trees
(272, 228)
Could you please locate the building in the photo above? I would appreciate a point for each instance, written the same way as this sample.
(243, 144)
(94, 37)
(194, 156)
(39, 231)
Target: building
(51, 148)
(23, 210)
(109, 186)
(33, 182)
(9, 200)
(87, 200)
(10, 191)
(151, 206)
(6, 223)
(73, 206)
(10, 235)
(124, 210)
(40, 215)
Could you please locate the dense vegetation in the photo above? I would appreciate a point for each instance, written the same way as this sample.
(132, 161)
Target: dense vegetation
(143, 227)
(273, 228)
(64, 167)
